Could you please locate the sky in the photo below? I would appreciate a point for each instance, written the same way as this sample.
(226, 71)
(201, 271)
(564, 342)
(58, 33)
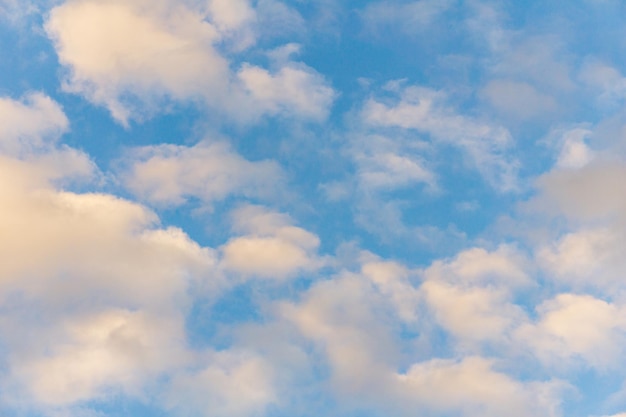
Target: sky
(279, 208)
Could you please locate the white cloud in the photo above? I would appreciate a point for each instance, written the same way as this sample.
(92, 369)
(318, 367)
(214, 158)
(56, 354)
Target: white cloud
(575, 153)
(472, 388)
(425, 110)
(384, 164)
(210, 171)
(270, 247)
(471, 296)
(574, 327)
(28, 125)
(349, 321)
(392, 280)
(472, 314)
(131, 57)
(231, 14)
(585, 259)
(352, 321)
(60, 245)
(95, 292)
(293, 89)
(503, 267)
(235, 383)
(114, 48)
(116, 350)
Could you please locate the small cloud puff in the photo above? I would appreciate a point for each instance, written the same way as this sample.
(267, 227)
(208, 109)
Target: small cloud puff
(209, 171)
(270, 246)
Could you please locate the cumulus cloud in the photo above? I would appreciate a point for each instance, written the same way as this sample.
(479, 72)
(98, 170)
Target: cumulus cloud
(269, 245)
(111, 351)
(94, 290)
(30, 124)
(577, 327)
(131, 57)
(116, 48)
(235, 383)
(586, 259)
(471, 296)
(63, 244)
(292, 88)
(472, 388)
(504, 267)
(351, 319)
(472, 314)
(29, 136)
(209, 171)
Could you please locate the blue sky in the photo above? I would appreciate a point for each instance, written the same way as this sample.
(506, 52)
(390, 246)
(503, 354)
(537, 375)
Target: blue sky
(249, 208)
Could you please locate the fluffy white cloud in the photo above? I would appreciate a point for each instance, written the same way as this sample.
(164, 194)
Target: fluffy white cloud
(29, 134)
(352, 320)
(471, 295)
(270, 246)
(112, 48)
(231, 15)
(112, 351)
(577, 327)
(392, 280)
(472, 388)
(504, 267)
(472, 314)
(132, 56)
(348, 320)
(33, 123)
(586, 259)
(574, 151)
(210, 171)
(235, 383)
(93, 278)
(292, 89)
(60, 245)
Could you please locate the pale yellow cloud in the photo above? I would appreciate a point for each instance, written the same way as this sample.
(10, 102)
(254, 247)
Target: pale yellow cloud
(210, 171)
(233, 384)
(115, 47)
(133, 56)
(110, 351)
(471, 387)
(271, 247)
(574, 328)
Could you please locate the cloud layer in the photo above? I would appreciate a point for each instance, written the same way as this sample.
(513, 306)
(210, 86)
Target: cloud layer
(270, 208)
